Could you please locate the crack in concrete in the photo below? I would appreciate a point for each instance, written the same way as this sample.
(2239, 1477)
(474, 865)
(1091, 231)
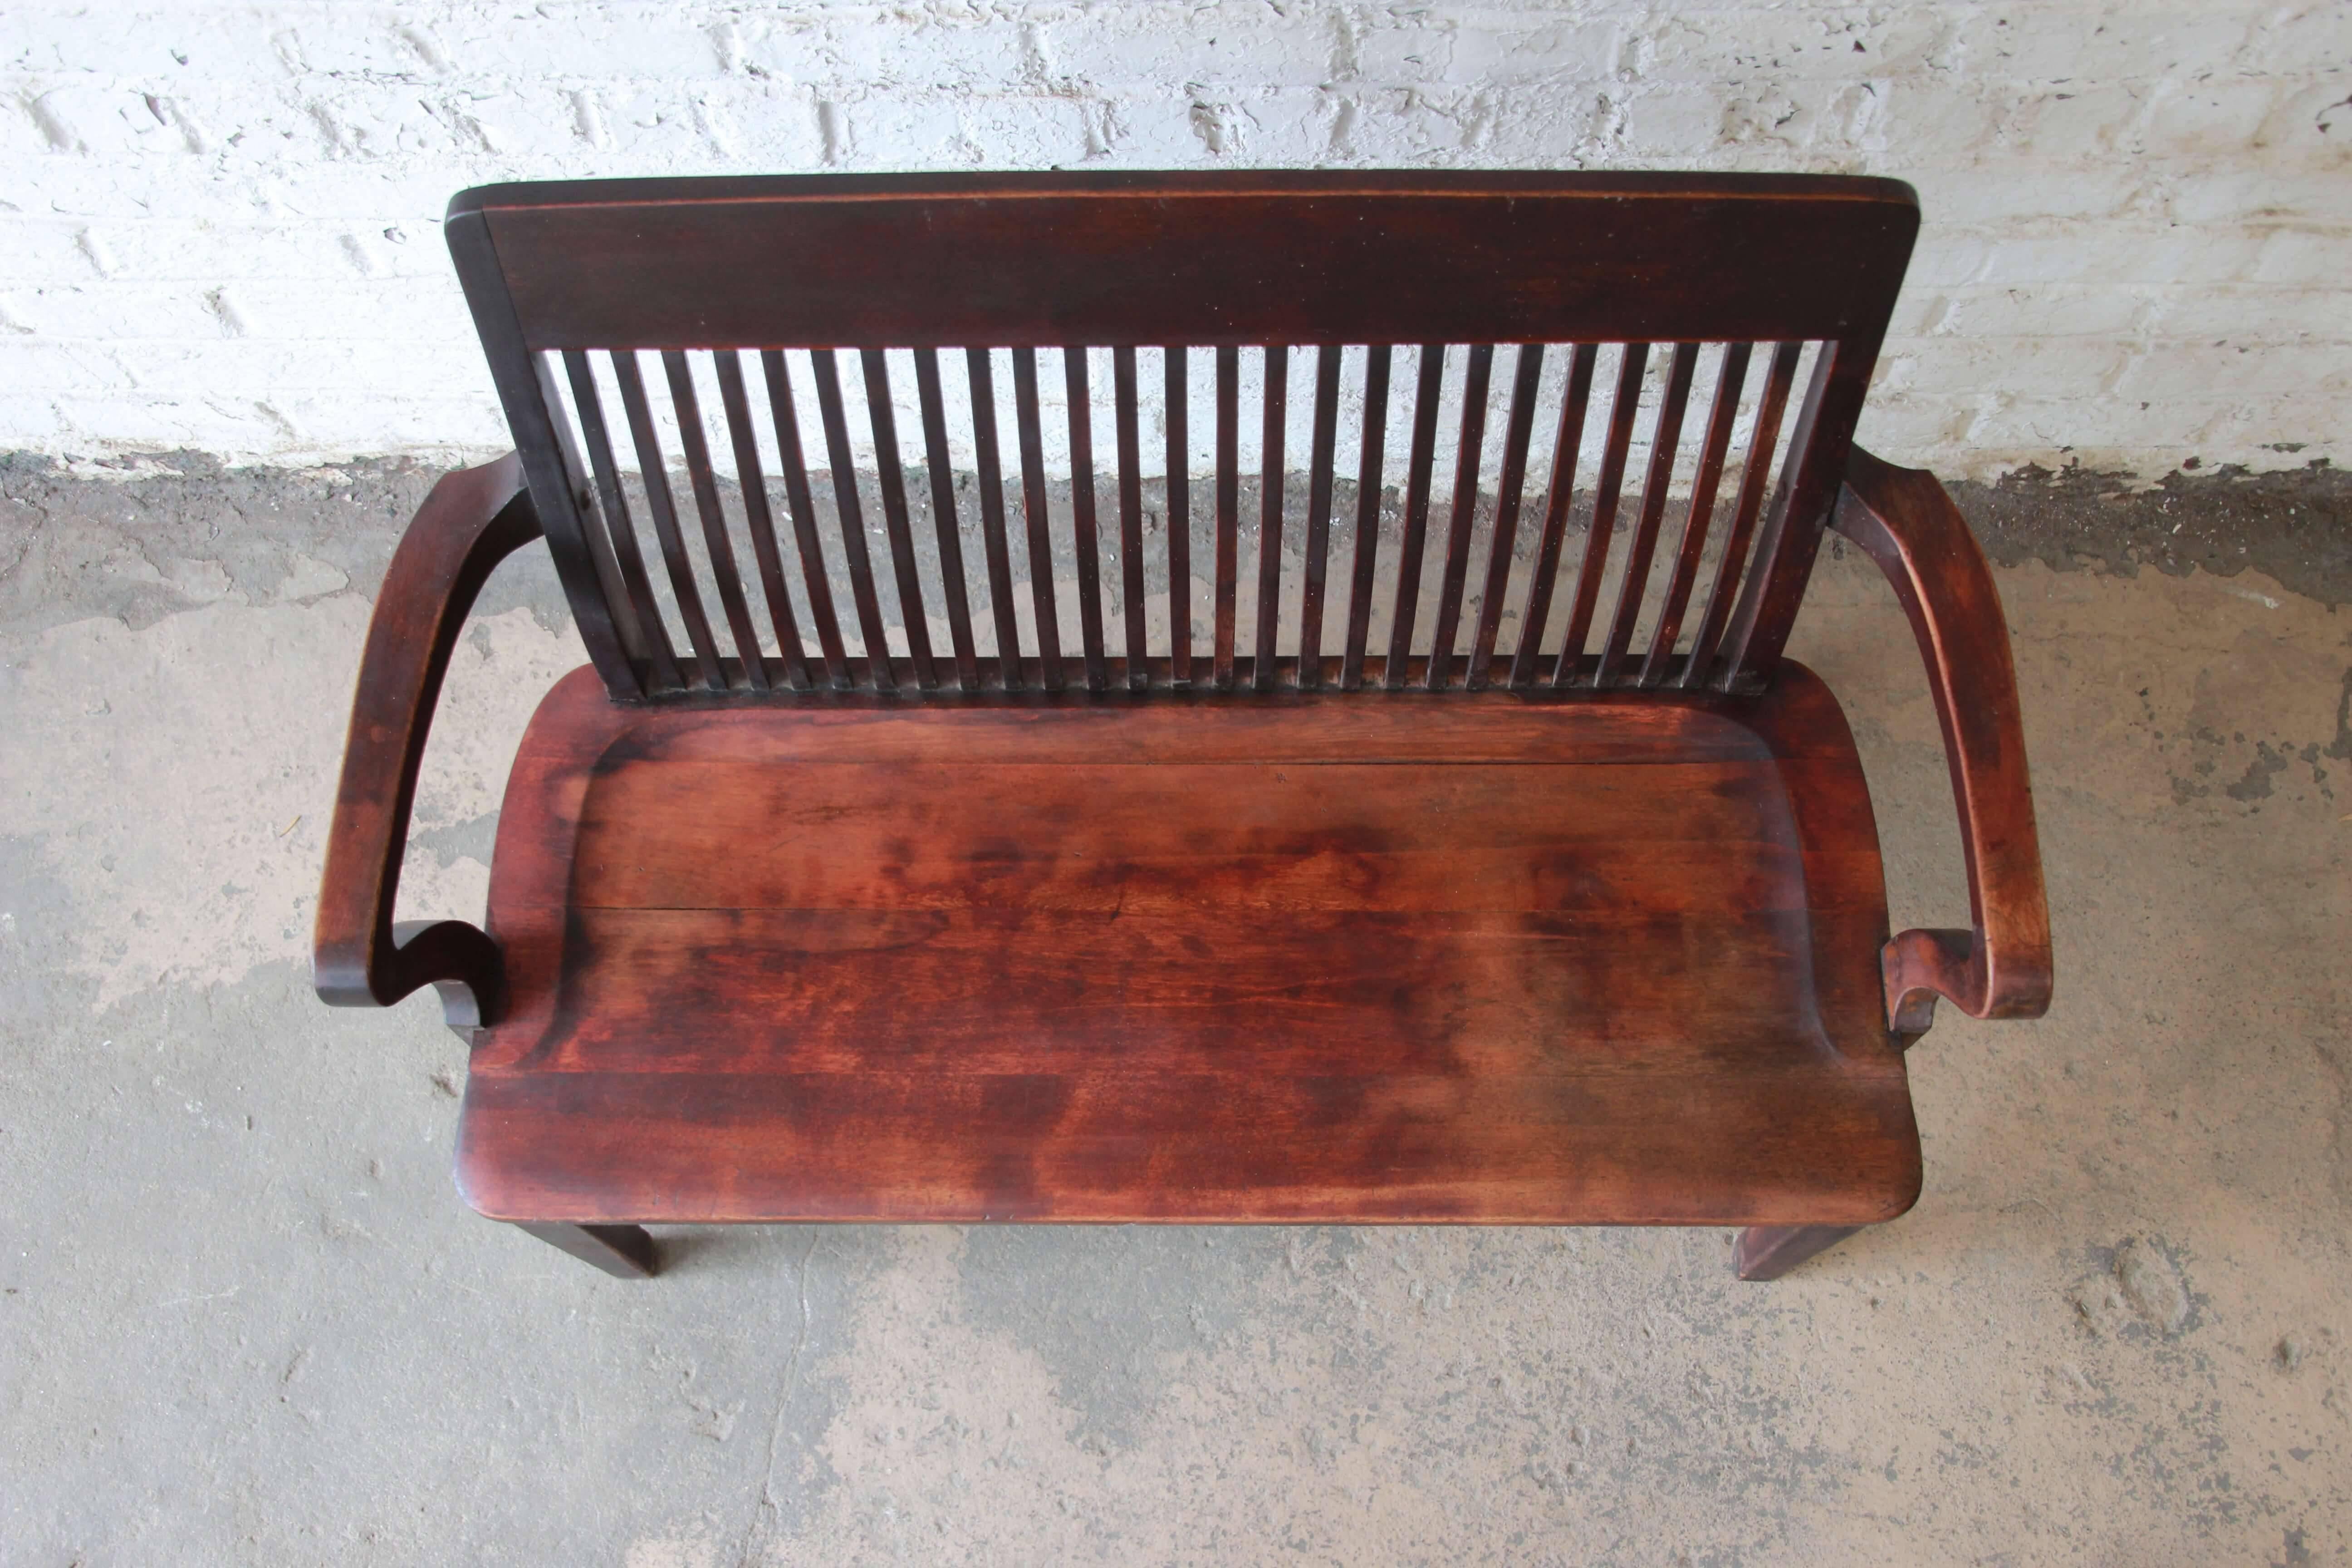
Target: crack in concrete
(765, 1509)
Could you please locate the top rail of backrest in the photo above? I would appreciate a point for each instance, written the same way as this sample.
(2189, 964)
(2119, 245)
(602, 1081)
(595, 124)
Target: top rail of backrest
(1202, 258)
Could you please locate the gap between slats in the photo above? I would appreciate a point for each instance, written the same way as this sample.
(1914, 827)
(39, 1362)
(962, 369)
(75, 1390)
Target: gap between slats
(1446, 516)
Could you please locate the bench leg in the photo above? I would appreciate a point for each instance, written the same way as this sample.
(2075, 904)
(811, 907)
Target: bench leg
(1769, 1251)
(625, 1251)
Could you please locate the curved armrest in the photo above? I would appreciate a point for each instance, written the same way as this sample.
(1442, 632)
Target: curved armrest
(473, 520)
(1905, 522)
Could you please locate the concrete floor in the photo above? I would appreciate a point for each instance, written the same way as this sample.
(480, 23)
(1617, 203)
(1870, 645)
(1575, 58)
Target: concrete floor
(247, 1320)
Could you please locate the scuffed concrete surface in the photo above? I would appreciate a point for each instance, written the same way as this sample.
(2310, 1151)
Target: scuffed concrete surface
(246, 1319)
(2295, 527)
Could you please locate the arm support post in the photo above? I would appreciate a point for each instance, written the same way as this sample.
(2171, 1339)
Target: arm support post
(1903, 520)
(472, 520)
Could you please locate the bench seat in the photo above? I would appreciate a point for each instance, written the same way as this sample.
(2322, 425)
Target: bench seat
(1498, 958)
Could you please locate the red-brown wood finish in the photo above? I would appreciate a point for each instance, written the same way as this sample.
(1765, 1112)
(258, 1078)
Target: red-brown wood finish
(2001, 967)
(1252, 257)
(1368, 957)
(1591, 933)
(1673, 264)
(472, 520)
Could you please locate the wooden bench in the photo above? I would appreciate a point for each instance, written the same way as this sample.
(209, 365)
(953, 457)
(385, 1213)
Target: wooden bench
(1526, 884)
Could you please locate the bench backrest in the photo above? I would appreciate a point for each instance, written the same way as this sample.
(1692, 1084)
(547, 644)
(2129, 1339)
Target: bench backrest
(1599, 295)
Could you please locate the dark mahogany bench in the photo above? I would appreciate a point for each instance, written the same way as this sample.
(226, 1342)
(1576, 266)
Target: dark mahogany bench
(1514, 877)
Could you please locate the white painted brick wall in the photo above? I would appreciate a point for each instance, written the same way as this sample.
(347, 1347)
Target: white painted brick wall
(219, 220)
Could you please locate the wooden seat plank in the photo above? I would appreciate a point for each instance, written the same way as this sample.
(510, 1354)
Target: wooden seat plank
(943, 963)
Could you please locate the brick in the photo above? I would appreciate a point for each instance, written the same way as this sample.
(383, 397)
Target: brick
(99, 310)
(1690, 121)
(2313, 257)
(2028, 426)
(2178, 368)
(34, 422)
(2252, 430)
(2216, 117)
(1915, 427)
(42, 364)
(1808, 45)
(1946, 255)
(2049, 368)
(2127, 253)
(1148, 130)
(2052, 310)
(2262, 314)
(1934, 113)
(1023, 130)
(2311, 125)
(1236, 43)
(2302, 200)
(2008, 189)
(2062, 43)
(2286, 40)
(1548, 51)
(184, 367)
(1391, 50)
(2152, 439)
(2078, 122)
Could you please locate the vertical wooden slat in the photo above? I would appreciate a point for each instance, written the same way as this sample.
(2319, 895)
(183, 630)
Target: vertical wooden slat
(759, 519)
(1568, 446)
(853, 519)
(1130, 515)
(1525, 389)
(1666, 443)
(937, 463)
(892, 479)
(654, 634)
(705, 484)
(1367, 514)
(1179, 517)
(1727, 384)
(653, 468)
(1269, 518)
(1319, 517)
(1082, 513)
(1792, 533)
(1729, 572)
(992, 517)
(599, 533)
(1457, 574)
(1228, 508)
(814, 576)
(1605, 511)
(527, 391)
(615, 629)
(1416, 514)
(1033, 504)
(605, 535)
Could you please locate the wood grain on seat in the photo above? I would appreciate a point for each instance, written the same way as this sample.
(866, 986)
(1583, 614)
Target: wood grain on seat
(1495, 957)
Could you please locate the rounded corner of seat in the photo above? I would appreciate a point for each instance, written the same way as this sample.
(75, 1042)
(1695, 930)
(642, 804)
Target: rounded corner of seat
(1904, 1193)
(1893, 191)
(1800, 715)
(475, 200)
(481, 1182)
(474, 1182)
(575, 710)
